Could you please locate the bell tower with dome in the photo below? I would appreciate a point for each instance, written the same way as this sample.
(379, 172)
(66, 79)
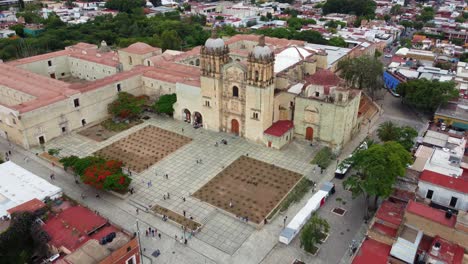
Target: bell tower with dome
(213, 56)
(259, 90)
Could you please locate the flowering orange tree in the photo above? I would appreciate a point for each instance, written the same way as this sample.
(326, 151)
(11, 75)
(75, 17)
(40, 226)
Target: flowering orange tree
(99, 173)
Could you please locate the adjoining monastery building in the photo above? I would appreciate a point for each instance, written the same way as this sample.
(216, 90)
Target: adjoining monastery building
(268, 90)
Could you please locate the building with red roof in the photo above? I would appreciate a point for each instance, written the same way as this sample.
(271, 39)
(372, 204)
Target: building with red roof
(279, 134)
(372, 251)
(32, 206)
(82, 236)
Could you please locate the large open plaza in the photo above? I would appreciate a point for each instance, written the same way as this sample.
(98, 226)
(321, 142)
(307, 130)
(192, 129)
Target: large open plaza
(186, 178)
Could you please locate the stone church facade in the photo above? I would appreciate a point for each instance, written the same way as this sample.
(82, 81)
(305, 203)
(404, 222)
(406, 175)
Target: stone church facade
(267, 90)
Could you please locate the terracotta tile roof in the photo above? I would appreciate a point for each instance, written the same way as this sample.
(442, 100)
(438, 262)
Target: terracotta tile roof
(458, 184)
(279, 128)
(140, 48)
(391, 212)
(430, 213)
(29, 206)
(45, 90)
(110, 58)
(323, 77)
(45, 56)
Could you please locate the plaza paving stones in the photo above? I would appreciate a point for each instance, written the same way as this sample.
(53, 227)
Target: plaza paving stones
(225, 232)
(186, 176)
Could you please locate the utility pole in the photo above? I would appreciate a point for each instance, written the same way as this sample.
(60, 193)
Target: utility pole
(139, 242)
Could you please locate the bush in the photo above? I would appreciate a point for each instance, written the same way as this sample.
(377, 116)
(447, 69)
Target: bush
(165, 104)
(54, 152)
(296, 194)
(323, 157)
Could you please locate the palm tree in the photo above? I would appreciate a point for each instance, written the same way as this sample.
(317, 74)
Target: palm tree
(388, 131)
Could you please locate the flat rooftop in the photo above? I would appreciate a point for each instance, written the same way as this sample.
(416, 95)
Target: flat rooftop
(79, 230)
(454, 110)
(18, 186)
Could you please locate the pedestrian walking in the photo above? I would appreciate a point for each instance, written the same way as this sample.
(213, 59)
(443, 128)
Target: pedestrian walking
(183, 199)
(137, 211)
(148, 183)
(230, 203)
(175, 237)
(159, 235)
(97, 195)
(152, 231)
(182, 130)
(284, 221)
(168, 196)
(83, 196)
(6, 154)
(9, 152)
(149, 229)
(164, 197)
(185, 241)
(184, 212)
(146, 232)
(52, 176)
(167, 176)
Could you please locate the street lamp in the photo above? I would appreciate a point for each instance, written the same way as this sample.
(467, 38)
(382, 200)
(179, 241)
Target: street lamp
(139, 242)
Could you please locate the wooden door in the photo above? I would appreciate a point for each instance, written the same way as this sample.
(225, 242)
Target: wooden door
(269, 144)
(52, 75)
(235, 126)
(309, 133)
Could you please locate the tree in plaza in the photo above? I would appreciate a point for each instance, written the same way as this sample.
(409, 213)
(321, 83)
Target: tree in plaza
(127, 106)
(313, 232)
(377, 169)
(107, 175)
(363, 72)
(165, 104)
(389, 131)
(79, 165)
(427, 95)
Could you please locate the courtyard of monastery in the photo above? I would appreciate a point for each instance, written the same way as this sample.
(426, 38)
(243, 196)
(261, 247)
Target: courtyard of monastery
(184, 145)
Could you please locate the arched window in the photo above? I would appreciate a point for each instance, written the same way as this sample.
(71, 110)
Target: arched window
(256, 76)
(191, 63)
(130, 60)
(235, 91)
(149, 63)
(197, 62)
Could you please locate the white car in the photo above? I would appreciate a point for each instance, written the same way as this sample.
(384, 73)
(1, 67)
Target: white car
(443, 126)
(388, 55)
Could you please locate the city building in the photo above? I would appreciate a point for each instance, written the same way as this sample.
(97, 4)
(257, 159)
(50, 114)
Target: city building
(243, 85)
(81, 236)
(18, 186)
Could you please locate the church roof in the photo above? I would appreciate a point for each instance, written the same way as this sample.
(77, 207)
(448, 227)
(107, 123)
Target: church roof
(140, 48)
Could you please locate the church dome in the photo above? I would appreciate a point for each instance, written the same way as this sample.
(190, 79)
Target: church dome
(214, 43)
(261, 52)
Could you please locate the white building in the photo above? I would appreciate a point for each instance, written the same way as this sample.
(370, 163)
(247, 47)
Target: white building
(18, 185)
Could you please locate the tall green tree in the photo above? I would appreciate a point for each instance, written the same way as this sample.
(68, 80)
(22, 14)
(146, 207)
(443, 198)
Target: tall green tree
(377, 169)
(126, 6)
(337, 42)
(23, 239)
(363, 72)
(427, 95)
(313, 232)
(170, 40)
